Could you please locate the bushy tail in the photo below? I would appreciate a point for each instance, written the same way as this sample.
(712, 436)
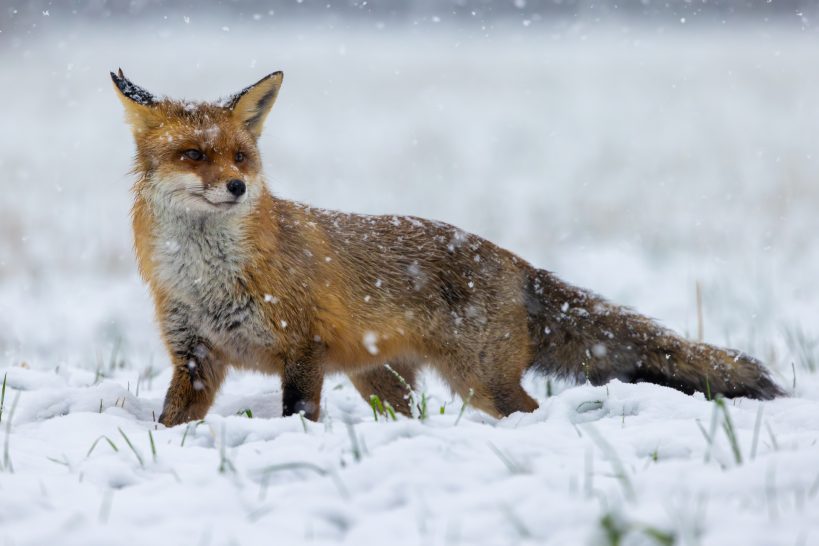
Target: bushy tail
(578, 334)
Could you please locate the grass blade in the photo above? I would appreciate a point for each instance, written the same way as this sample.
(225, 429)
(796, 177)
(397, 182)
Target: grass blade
(3, 396)
(136, 453)
(465, 404)
(728, 426)
(757, 426)
(390, 410)
(514, 466)
(6, 457)
(153, 445)
(225, 464)
(354, 445)
(94, 445)
(611, 454)
(422, 407)
(712, 432)
(268, 470)
(375, 404)
(774, 443)
(188, 428)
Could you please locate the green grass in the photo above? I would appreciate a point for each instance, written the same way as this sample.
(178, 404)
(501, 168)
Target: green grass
(381, 408)
(814, 488)
(710, 436)
(728, 427)
(423, 409)
(757, 427)
(804, 348)
(137, 454)
(377, 406)
(517, 524)
(618, 530)
(589, 405)
(419, 406)
(390, 411)
(709, 440)
(94, 445)
(148, 374)
(3, 396)
(721, 409)
(7, 466)
(355, 445)
(64, 462)
(225, 464)
(774, 443)
(190, 427)
(267, 471)
(515, 467)
(411, 396)
(617, 464)
(467, 400)
(153, 445)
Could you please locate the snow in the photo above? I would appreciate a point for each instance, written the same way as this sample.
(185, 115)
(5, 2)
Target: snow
(629, 162)
(370, 342)
(550, 475)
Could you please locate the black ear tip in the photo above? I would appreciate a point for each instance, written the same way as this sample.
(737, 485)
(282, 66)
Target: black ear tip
(131, 90)
(118, 77)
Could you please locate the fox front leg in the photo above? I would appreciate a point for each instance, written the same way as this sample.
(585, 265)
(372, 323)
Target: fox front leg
(197, 375)
(198, 369)
(301, 386)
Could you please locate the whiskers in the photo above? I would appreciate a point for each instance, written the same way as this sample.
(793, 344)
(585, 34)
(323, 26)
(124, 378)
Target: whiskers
(194, 188)
(187, 193)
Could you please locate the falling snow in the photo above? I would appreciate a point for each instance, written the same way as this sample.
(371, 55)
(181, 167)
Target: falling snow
(641, 156)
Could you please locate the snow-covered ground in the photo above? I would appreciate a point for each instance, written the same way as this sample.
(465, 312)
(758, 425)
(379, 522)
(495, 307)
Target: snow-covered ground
(639, 163)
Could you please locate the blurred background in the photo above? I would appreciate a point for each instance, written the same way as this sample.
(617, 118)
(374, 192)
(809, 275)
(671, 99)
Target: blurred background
(639, 149)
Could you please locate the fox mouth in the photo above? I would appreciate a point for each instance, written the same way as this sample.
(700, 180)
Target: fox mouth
(220, 205)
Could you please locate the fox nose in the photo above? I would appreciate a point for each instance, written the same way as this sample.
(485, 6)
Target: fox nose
(236, 187)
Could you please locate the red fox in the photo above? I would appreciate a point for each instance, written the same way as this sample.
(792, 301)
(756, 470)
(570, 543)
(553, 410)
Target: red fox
(242, 278)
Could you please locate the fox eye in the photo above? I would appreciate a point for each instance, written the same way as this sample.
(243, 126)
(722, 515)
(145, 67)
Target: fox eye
(193, 154)
(239, 157)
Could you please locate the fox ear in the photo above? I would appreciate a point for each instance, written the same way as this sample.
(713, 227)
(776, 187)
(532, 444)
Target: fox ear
(251, 105)
(138, 102)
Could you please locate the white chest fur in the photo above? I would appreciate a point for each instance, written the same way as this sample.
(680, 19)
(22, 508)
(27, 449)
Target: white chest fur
(196, 256)
(200, 261)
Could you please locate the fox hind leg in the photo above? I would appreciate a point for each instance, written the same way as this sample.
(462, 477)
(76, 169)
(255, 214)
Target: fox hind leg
(509, 398)
(387, 385)
(498, 397)
(491, 380)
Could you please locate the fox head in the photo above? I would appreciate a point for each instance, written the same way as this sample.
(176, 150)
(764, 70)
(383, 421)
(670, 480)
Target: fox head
(198, 158)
